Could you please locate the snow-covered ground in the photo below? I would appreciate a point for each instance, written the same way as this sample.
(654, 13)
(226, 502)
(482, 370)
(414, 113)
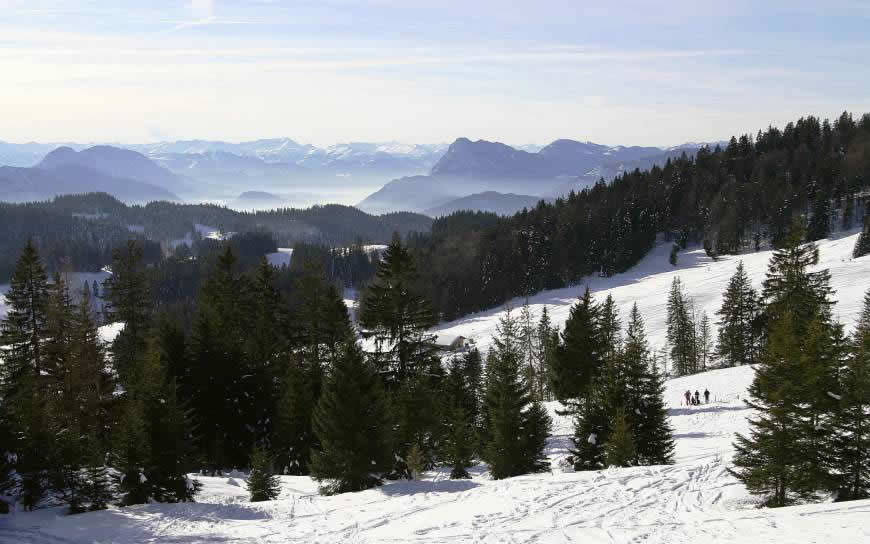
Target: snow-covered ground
(649, 282)
(281, 257)
(694, 500)
(75, 280)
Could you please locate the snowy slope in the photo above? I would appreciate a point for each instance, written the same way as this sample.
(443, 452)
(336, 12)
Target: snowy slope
(649, 281)
(694, 500)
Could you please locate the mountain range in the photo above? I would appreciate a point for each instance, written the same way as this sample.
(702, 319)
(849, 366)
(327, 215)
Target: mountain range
(429, 178)
(496, 170)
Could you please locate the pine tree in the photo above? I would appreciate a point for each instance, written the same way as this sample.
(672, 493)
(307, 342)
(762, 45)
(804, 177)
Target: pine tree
(207, 385)
(263, 345)
(643, 398)
(26, 393)
(610, 326)
(294, 436)
(619, 450)
(791, 288)
(459, 443)
(459, 411)
(473, 406)
(173, 452)
(580, 354)
(705, 342)
(416, 462)
(130, 454)
(128, 293)
(767, 460)
(852, 421)
(787, 455)
(527, 342)
(653, 436)
(81, 408)
(546, 342)
(740, 307)
(98, 491)
(395, 315)
(537, 426)
(862, 244)
(351, 422)
(508, 412)
(263, 483)
(592, 423)
(680, 330)
(58, 329)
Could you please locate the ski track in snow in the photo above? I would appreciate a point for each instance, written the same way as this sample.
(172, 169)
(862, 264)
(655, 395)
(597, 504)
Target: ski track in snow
(694, 500)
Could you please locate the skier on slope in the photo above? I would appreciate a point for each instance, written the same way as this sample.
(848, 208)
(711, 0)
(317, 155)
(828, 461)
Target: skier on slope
(706, 396)
(688, 395)
(697, 398)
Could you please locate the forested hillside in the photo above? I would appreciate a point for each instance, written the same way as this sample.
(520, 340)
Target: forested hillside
(738, 198)
(82, 230)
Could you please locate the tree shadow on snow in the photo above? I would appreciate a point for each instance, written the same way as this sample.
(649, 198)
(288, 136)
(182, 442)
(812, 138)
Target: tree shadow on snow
(691, 435)
(427, 486)
(703, 409)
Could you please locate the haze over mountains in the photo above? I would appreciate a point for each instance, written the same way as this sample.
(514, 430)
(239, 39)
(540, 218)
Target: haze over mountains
(473, 167)
(429, 178)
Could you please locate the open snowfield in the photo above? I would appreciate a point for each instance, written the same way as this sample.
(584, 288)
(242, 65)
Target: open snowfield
(694, 500)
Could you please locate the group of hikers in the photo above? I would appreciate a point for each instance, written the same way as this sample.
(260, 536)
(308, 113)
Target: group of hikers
(695, 400)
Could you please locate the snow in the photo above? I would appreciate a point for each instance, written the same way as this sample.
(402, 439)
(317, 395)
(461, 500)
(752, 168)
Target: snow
(281, 257)
(109, 332)
(694, 500)
(75, 280)
(703, 279)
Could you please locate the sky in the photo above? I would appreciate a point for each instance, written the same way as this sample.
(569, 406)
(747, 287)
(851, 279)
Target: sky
(419, 71)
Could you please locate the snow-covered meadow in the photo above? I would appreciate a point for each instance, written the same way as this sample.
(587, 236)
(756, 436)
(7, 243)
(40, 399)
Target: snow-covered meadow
(694, 500)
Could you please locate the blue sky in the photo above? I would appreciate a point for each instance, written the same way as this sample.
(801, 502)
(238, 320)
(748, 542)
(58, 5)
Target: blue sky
(634, 72)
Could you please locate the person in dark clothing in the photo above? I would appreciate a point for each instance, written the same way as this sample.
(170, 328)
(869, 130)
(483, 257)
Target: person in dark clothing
(688, 395)
(706, 396)
(697, 398)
